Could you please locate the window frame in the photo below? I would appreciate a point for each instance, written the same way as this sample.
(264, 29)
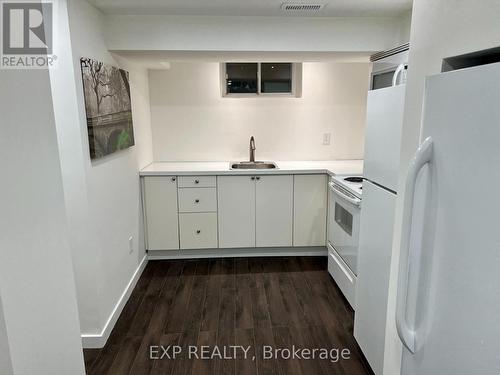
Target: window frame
(296, 75)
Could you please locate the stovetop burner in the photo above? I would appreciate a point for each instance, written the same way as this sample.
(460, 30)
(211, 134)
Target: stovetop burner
(353, 179)
(350, 182)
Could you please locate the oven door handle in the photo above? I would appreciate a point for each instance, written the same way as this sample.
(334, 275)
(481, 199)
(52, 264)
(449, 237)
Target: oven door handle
(340, 193)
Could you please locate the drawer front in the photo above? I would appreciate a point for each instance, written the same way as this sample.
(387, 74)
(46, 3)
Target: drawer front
(198, 230)
(342, 275)
(197, 181)
(198, 200)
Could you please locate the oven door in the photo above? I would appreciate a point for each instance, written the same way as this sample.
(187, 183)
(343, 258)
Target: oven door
(343, 231)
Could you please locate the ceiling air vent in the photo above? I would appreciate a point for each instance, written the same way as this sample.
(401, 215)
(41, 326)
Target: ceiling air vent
(301, 7)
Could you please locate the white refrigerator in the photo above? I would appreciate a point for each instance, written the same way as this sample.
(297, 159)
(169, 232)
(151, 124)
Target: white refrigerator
(448, 303)
(384, 122)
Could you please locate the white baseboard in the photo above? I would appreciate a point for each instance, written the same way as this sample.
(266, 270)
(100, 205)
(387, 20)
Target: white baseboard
(234, 253)
(94, 341)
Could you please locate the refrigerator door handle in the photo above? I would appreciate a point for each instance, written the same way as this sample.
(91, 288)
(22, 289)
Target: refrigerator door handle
(422, 157)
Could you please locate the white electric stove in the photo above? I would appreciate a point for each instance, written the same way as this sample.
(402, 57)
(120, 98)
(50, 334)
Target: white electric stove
(344, 211)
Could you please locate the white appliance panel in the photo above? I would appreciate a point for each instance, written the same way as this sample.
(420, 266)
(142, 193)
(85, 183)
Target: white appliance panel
(384, 121)
(457, 324)
(374, 262)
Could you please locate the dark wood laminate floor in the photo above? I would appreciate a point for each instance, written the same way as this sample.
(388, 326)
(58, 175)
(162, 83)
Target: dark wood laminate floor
(233, 301)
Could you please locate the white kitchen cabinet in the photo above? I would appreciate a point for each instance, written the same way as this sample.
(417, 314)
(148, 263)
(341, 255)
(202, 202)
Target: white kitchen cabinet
(198, 230)
(236, 211)
(160, 202)
(197, 181)
(274, 210)
(310, 207)
(255, 211)
(198, 200)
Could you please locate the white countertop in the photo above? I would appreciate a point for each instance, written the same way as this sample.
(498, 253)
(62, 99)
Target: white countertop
(334, 167)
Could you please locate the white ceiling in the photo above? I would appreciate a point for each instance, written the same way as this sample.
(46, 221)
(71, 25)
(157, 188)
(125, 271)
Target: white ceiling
(333, 8)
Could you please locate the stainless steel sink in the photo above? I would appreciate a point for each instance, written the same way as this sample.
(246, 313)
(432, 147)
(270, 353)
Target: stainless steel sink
(253, 165)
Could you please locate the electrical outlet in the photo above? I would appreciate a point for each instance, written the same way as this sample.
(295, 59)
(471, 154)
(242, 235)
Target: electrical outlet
(326, 138)
(130, 245)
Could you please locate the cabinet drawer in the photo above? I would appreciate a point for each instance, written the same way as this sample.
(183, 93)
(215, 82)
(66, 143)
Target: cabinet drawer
(198, 200)
(196, 181)
(198, 230)
(343, 276)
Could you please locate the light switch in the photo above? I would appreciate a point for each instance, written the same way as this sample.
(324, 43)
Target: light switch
(130, 245)
(326, 138)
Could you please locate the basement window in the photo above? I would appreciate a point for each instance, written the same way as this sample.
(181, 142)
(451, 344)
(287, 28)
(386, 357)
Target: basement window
(260, 79)
(276, 78)
(241, 78)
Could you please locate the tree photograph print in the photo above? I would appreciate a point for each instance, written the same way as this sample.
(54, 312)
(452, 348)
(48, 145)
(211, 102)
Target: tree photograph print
(108, 107)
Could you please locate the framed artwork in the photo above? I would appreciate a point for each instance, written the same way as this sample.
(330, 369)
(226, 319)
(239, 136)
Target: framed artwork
(108, 107)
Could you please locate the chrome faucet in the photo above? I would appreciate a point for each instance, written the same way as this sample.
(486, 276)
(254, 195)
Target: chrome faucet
(252, 149)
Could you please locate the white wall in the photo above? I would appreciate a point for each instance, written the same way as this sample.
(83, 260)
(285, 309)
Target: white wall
(73, 155)
(212, 33)
(192, 121)
(102, 196)
(440, 28)
(404, 27)
(5, 362)
(37, 285)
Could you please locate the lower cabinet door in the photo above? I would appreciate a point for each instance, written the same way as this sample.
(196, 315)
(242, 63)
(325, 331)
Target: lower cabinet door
(160, 201)
(310, 202)
(236, 206)
(198, 230)
(274, 210)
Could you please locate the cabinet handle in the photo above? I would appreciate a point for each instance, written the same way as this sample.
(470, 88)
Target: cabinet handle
(198, 231)
(252, 178)
(258, 178)
(196, 181)
(196, 201)
(173, 179)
